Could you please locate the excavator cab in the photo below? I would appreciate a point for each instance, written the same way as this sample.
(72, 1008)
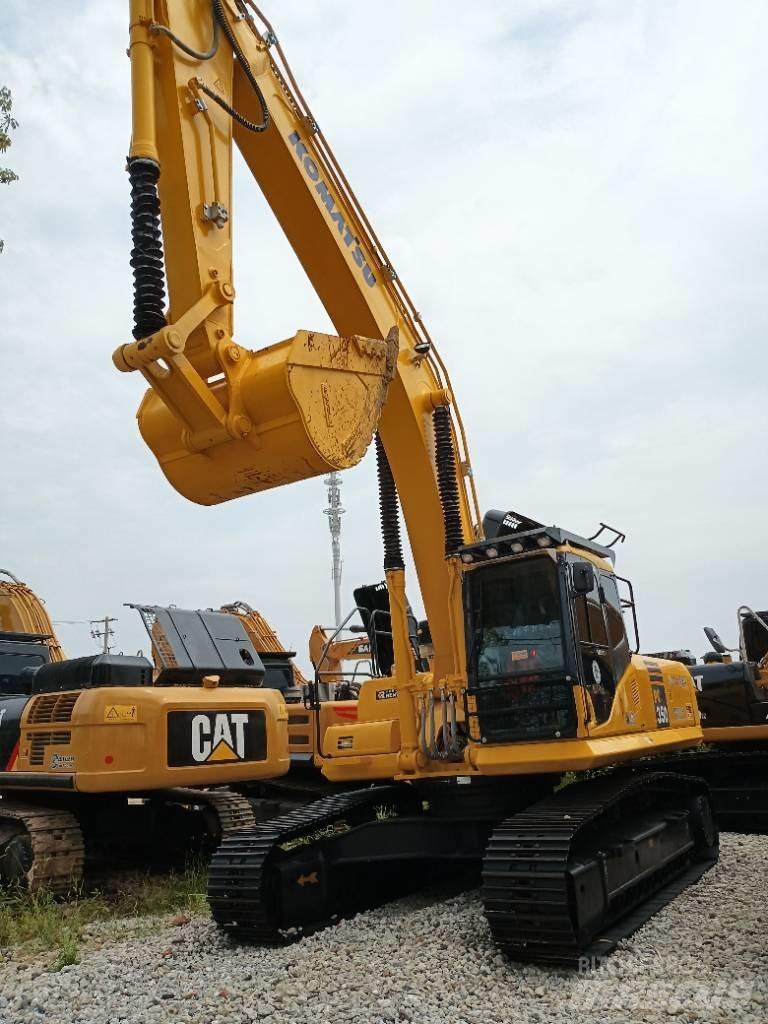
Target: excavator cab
(542, 625)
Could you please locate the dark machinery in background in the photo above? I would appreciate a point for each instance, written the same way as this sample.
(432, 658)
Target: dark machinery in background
(732, 694)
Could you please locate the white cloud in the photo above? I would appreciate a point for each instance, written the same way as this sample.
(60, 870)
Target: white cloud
(574, 194)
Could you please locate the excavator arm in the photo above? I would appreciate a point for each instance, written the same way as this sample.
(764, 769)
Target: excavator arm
(224, 421)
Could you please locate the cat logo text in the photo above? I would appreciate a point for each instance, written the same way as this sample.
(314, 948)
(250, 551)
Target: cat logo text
(215, 737)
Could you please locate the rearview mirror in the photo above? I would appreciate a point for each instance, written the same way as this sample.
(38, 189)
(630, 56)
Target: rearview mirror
(715, 640)
(583, 577)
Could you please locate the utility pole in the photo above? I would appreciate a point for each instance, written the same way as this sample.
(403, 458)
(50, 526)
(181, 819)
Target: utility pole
(334, 512)
(105, 634)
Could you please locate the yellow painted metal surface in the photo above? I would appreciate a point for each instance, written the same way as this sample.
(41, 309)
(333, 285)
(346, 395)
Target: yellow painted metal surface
(306, 406)
(22, 611)
(130, 754)
(368, 737)
(737, 734)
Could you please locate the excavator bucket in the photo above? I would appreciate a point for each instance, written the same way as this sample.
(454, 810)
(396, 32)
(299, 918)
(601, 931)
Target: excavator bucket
(298, 409)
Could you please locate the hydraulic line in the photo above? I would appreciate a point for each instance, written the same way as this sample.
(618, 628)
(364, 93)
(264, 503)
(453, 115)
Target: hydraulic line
(251, 126)
(195, 54)
(388, 511)
(147, 251)
(446, 480)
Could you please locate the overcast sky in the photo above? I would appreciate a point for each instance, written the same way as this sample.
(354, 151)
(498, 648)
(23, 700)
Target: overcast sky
(575, 195)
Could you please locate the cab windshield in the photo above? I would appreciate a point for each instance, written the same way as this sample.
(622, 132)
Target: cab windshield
(516, 620)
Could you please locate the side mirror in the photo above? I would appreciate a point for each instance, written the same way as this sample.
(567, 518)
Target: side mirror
(715, 640)
(583, 577)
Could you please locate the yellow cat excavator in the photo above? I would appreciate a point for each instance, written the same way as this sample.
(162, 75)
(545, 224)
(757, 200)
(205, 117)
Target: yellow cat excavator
(454, 758)
(102, 753)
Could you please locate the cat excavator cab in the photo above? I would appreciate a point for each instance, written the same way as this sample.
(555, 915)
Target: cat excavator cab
(453, 756)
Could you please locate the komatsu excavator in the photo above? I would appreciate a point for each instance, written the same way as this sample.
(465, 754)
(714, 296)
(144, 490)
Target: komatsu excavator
(452, 759)
(732, 696)
(102, 753)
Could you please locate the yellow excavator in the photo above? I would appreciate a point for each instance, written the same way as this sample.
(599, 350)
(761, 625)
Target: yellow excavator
(451, 759)
(101, 753)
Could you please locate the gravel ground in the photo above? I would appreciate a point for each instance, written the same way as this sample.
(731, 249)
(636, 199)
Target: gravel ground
(703, 959)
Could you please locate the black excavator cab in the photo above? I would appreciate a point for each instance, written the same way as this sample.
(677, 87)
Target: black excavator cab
(730, 692)
(18, 652)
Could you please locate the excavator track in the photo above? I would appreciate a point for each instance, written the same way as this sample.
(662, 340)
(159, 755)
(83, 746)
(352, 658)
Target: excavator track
(53, 852)
(259, 893)
(232, 812)
(737, 780)
(566, 880)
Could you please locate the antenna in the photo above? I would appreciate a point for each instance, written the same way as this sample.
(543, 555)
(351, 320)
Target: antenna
(104, 635)
(334, 512)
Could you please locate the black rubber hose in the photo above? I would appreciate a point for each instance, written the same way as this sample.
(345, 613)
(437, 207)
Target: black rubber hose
(147, 250)
(218, 10)
(446, 480)
(388, 511)
(196, 54)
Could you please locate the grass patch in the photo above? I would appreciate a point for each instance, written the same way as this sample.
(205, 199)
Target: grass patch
(39, 922)
(67, 954)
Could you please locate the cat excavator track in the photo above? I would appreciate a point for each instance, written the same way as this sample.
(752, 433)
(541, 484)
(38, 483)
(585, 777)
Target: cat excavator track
(44, 848)
(228, 812)
(577, 872)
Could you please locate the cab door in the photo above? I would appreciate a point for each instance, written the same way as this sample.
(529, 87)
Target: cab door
(602, 646)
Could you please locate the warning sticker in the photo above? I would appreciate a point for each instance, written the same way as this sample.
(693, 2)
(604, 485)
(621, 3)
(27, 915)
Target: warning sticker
(120, 713)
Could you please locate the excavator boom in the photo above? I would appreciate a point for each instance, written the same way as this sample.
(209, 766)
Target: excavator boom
(221, 420)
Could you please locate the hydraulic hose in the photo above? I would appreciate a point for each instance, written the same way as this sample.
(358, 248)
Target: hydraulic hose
(251, 126)
(446, 480)
(147, 250)
(190, 52)
(388, 511)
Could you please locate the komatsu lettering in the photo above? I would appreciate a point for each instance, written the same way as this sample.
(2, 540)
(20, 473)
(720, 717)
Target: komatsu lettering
(313, 173)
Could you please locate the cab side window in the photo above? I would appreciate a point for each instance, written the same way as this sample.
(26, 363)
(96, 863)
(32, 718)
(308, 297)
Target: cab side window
(617, 633)
(595, 652)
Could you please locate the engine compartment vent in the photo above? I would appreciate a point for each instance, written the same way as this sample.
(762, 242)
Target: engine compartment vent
(38, 741)
(52, 708)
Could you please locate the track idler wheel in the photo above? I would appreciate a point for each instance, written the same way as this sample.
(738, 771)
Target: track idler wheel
(16, 856)
(704, 827)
